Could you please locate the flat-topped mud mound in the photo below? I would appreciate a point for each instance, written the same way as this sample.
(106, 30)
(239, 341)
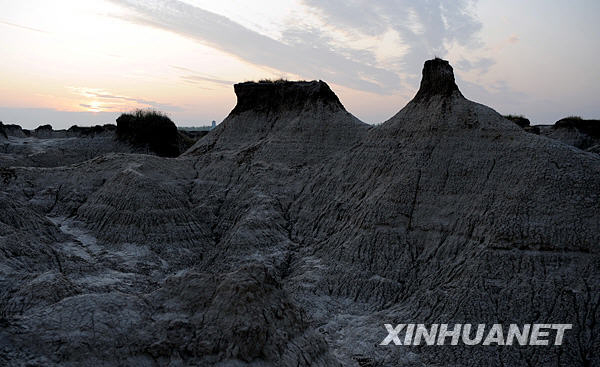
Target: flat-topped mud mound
(283, 121)
(282, 95)
(581, 133)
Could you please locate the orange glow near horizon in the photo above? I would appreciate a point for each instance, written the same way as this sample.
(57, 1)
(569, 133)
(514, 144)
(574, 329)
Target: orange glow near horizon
(97, 56)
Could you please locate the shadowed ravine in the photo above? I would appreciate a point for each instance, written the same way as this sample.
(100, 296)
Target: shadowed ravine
(292, 232)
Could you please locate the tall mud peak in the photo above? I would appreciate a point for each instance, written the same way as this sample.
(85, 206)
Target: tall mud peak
(438, 80)
(281, 95)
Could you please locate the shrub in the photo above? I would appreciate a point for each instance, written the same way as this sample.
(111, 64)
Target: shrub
(510, 117)
(273, 81)
(149, 129)
(518, 119)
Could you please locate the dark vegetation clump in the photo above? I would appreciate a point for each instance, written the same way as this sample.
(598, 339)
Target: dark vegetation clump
(273, 81)
(151, 130)
(524, 123)
(588, 127)
(518, 119)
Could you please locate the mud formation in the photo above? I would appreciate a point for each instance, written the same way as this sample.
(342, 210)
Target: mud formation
(291, 233)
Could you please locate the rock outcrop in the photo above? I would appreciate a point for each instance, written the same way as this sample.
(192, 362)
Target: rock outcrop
(575, 131)
(91, 130)
(292, 232)
(46, 147)
(16, 130)
(44, 131)
(437, 81)
(47, 132)
(3, 135)
(581, 133)
(282, 95)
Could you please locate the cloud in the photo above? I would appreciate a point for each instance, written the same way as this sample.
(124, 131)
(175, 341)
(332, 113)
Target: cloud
(427, 27)
(23, 27)
(299, 54)
(316, 51)
(497, 94)
(482, 64)
(101, 94)
(513, 39)
(192, 77)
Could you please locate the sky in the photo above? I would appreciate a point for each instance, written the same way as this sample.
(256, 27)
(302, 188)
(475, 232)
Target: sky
(73, 62)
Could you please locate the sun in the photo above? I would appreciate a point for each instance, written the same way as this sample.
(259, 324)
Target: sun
(95, 106)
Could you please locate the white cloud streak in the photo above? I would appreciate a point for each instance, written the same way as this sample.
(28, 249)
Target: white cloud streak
(311, 52)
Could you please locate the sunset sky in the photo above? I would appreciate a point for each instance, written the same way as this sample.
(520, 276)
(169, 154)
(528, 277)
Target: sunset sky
(67, 62)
